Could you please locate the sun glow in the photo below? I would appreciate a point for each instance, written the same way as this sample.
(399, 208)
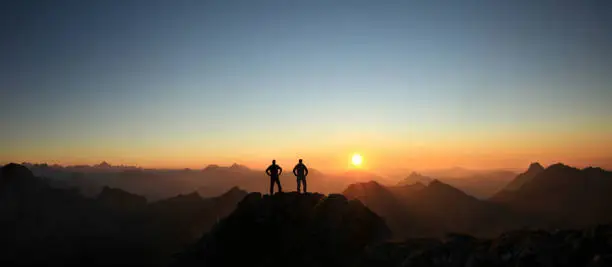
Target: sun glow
(357, 160)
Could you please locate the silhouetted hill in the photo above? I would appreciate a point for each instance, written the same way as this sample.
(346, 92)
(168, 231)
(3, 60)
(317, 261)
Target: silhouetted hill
(480, 184)
(15, 177)
(483, 184)
(289, 229)
(564, 196)
(439, 190)
(384, 201)
(433, 210)
(40, 224)
(523, 178)
(370, 193)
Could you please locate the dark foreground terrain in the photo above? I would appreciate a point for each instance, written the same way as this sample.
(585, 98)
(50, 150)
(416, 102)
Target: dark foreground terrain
(40, 224)
(316, 230)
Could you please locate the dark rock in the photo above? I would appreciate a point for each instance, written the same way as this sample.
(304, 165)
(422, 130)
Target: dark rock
(15, 177)
(290, 229)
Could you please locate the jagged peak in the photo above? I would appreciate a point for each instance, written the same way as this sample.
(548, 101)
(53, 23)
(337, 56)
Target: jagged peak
(414, 177)
(535, 167)
(233, 167)
(237, 166)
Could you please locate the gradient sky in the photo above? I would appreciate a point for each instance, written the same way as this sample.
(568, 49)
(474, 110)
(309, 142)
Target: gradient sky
(409, 84)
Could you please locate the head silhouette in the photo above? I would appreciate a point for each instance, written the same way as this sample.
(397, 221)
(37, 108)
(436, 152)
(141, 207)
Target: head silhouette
(300, 160)
(273, 161)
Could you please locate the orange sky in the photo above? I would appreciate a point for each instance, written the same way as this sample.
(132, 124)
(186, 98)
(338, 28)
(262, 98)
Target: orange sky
(382, 152)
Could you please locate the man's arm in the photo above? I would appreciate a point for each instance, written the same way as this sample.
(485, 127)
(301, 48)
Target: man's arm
(305, 171)
(295, 170)
(268, 171)
(280, 170)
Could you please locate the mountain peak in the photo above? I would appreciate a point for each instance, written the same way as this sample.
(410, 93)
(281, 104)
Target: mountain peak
(415, 174)
(103, 164)
(235, 191)
(438, 187)
(14, 169)
(436, 184)
(534, 170)
(239, 167)
(561, 169)
(211, 167)
(119, 198)
(559, 166)
(370, 185)
(535, 167)
(18, 177)
(415, 178)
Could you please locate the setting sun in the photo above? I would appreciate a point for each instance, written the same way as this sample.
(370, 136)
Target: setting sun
(357, 160)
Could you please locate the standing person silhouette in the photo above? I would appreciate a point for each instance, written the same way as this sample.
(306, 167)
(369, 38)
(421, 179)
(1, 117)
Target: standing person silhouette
(274, 171)
(300, 171)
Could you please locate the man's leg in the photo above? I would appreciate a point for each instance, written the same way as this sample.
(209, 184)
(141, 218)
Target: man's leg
(280, 188)
(298, 184)
(271, 186)
(304, 181)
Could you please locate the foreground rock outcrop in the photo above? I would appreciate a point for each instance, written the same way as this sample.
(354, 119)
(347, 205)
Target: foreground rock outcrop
(589, 247)
(290, 229)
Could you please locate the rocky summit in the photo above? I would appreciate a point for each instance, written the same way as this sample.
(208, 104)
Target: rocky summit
(315, 230)
(290, 229)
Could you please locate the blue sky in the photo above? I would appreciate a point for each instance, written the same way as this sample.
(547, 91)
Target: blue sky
(84, 81)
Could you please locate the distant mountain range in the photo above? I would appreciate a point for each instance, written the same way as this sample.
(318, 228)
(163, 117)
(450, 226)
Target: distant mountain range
(558, 196)
(42, 224)
(420, 210)
(156, 184)
(46, 224)
(480, 184)
(563, 195)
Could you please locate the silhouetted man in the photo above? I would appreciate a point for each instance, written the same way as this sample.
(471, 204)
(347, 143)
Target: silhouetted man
(274, 171)
(300, 171)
